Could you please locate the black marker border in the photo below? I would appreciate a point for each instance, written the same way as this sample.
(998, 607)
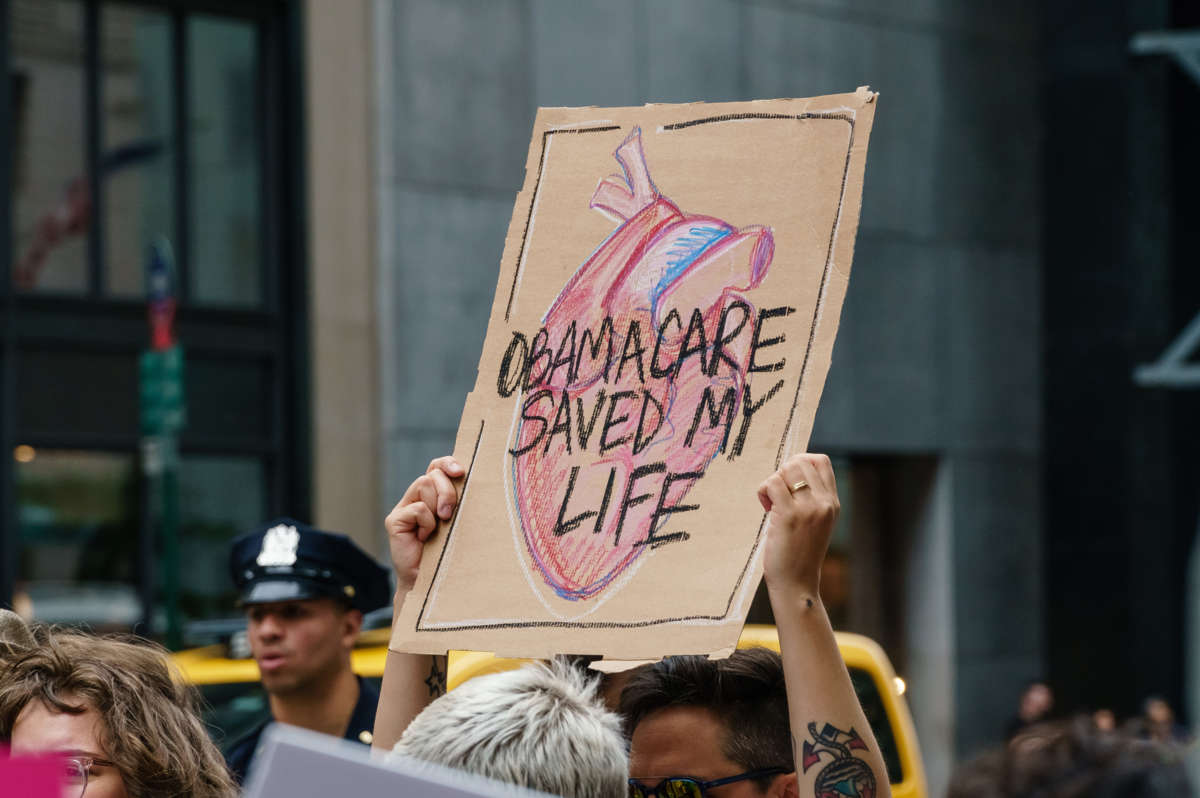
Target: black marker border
(512, 293)
(842, 116)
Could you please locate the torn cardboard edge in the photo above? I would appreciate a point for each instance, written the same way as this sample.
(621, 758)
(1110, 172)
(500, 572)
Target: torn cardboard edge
(863, 93)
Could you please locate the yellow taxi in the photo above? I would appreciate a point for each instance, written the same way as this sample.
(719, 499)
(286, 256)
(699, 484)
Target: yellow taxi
(236, 701)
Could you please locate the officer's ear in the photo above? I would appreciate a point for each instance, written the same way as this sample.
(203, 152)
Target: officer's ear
(353, 621)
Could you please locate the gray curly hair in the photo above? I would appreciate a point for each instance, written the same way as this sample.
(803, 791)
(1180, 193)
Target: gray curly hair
(540, 726)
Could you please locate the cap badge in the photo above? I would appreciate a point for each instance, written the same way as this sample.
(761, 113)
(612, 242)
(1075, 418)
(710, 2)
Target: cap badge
(279, 546)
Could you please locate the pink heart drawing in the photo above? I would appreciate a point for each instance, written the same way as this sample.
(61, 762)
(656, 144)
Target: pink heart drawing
(654, 325)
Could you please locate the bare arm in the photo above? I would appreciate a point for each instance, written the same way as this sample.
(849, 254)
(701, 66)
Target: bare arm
(412, 681)
(833, 742)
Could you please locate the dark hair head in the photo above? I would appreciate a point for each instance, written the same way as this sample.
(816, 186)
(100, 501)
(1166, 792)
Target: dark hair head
(1151, 700)
(1073, 759)
(745, 692)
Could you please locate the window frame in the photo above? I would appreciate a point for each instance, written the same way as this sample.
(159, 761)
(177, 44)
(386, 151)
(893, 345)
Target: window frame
(273, 333)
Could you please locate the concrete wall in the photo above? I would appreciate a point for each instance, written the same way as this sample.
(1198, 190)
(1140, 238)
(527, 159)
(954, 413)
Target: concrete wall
(343, 333)
(940, 338)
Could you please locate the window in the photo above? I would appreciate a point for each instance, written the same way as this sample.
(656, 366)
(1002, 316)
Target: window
(137, 162)
(77, 517)
(127, 124)
(219, 498)
(93, 191)
(49, 182)
(224, 163)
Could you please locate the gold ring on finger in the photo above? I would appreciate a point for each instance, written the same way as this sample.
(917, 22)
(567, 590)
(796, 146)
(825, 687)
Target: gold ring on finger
(801, 485)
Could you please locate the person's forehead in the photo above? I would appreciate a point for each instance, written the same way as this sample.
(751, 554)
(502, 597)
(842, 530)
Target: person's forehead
(40, 728)
(679, 741)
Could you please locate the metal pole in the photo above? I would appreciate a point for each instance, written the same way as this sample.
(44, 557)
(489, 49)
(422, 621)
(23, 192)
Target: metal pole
(163, 413)
(170, 540)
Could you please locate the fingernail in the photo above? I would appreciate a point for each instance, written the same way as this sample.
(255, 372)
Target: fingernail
(444, 511)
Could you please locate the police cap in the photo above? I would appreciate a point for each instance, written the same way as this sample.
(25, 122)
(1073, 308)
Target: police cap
(285, 560)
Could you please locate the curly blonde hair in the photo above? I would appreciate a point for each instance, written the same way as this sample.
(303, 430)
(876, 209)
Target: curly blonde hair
(149, 726)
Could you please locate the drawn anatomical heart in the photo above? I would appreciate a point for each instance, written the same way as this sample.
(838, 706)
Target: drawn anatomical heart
(676, 282)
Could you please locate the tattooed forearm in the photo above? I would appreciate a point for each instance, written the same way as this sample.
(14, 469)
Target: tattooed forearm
(844, 775)
(436, 680)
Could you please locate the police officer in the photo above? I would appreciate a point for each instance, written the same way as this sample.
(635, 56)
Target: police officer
(305, 592)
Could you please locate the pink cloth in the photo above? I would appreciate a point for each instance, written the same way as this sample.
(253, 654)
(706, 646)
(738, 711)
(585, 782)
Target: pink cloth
(32, 777)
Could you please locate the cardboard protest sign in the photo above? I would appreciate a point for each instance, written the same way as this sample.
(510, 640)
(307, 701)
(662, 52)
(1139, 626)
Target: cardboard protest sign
(664, 319)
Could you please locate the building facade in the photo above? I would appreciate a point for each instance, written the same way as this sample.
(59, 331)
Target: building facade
(337, 179)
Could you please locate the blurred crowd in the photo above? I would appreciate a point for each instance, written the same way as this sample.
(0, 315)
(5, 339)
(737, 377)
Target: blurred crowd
(1156, 722)
(124, 724)
(1080, 755)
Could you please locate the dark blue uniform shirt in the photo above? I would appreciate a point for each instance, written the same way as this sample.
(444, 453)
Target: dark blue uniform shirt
(240, 753)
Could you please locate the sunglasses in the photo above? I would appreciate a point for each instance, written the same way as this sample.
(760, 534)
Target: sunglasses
(686, 787)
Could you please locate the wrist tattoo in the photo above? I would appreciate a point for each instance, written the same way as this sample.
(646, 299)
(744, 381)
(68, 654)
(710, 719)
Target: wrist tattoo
(844, 775)
(436, 680)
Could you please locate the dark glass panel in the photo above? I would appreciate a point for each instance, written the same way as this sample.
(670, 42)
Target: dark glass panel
(224, 163)
(228, 400)
(137, 151)
(51, 203)
(80, 393)
(77, 537)
(220, 497)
